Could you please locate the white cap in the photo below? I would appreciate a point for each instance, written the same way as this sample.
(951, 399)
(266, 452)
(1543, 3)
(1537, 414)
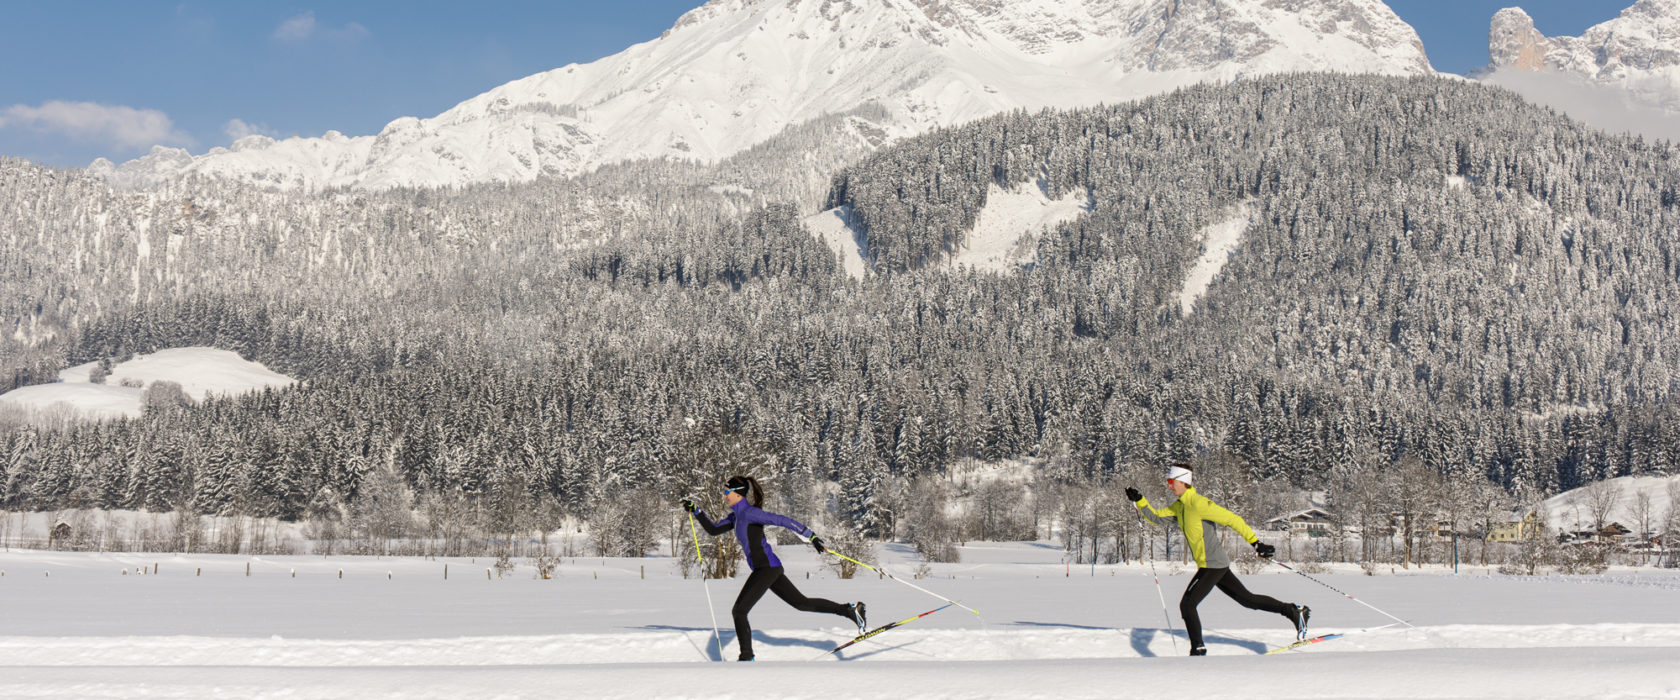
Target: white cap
(1180, 474)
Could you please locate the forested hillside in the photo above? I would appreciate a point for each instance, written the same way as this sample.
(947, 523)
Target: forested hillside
(1434, 274)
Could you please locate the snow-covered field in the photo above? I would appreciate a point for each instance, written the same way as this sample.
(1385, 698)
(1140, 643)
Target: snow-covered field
(90, 625)
(200, 372)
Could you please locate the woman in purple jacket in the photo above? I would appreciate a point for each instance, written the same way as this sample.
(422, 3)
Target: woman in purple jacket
(745, 499)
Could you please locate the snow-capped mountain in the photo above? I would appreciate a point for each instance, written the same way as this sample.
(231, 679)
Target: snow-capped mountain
(735, 72)
(1639, 51)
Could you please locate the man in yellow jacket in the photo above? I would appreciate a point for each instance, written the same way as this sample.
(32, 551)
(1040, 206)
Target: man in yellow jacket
(1199, 519)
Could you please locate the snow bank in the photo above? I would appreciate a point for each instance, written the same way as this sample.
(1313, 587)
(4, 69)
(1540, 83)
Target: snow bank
(200, 371)
(1219, 241)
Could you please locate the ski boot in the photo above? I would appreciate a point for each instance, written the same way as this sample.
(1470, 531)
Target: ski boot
(856, 612)
(1299, 614)
(1199, 651)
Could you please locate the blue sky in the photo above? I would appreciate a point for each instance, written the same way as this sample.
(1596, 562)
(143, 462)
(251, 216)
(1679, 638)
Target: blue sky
(84, 79)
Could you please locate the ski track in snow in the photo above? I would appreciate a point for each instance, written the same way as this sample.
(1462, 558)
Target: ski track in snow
(996, 643)
(86, 625)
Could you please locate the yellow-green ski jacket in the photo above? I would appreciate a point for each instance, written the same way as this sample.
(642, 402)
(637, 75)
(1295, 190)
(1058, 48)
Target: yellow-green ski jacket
(1197, 517)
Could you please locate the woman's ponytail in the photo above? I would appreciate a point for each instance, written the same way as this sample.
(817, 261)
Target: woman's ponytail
(755, 493)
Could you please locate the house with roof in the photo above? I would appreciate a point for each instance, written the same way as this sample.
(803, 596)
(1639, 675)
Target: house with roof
(1312, 522)
(1516, 528)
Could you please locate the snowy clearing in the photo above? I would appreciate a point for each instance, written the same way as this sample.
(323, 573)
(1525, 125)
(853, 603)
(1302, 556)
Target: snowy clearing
(1005, 234)
(1004, 237)
(88, 625)
(200, 371)
(834, 228)
(1219, 241)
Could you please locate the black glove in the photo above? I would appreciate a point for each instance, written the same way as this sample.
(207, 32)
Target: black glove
(688, 506)
(1264, 550)
(1133, 495)
(817, 544)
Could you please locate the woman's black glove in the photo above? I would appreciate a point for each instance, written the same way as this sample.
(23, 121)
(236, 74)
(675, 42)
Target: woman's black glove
(1264, 550)
(688, 506)
(817, 544)
(1133, 495)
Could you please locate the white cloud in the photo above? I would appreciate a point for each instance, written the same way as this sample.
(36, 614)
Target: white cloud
(117, 125)
(303, 28)
(237, 129)
(1603, 107)
(299, 28)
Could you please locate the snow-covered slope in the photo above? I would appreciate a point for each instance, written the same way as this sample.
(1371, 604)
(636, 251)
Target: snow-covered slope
(199, 371)
(1631, 498)
(1639, 51)
(1003, 239)
(834, 227)
(1005, 234)
(1219, 241)
(735, 72)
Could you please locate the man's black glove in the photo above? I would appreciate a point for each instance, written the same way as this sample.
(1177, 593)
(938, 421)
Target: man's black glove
(1133, 495)
(688, 506)
(1264, 550)
(817, 544)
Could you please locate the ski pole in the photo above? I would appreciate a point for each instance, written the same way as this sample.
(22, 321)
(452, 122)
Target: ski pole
(888, 574)
(1344, 595)
(1172, 632)
(706, 581)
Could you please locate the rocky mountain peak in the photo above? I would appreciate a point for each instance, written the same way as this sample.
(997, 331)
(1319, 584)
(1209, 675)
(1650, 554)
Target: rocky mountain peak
(1514, 42)
(733, 73)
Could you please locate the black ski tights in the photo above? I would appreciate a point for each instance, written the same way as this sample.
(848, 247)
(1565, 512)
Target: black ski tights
(1204, 582)
(772, 579)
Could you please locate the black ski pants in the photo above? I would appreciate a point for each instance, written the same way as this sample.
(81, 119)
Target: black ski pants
(1204, 582)
(771, 578)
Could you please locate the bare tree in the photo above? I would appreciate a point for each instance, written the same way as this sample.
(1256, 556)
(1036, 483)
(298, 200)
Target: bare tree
(931, 529)
(995, 512)
(1671, 522)
(1601, 502)
(1644, 512)
(1416, 492)
(382, 511)
(708, 453)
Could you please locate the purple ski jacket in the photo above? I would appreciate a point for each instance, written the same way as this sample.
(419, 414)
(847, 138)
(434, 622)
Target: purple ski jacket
(748, 523)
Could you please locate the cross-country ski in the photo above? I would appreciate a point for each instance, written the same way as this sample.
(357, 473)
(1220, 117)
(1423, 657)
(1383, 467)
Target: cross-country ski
(891, 625)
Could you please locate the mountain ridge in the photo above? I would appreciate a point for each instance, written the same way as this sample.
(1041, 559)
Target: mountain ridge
(732, 73)
(1638, 51)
